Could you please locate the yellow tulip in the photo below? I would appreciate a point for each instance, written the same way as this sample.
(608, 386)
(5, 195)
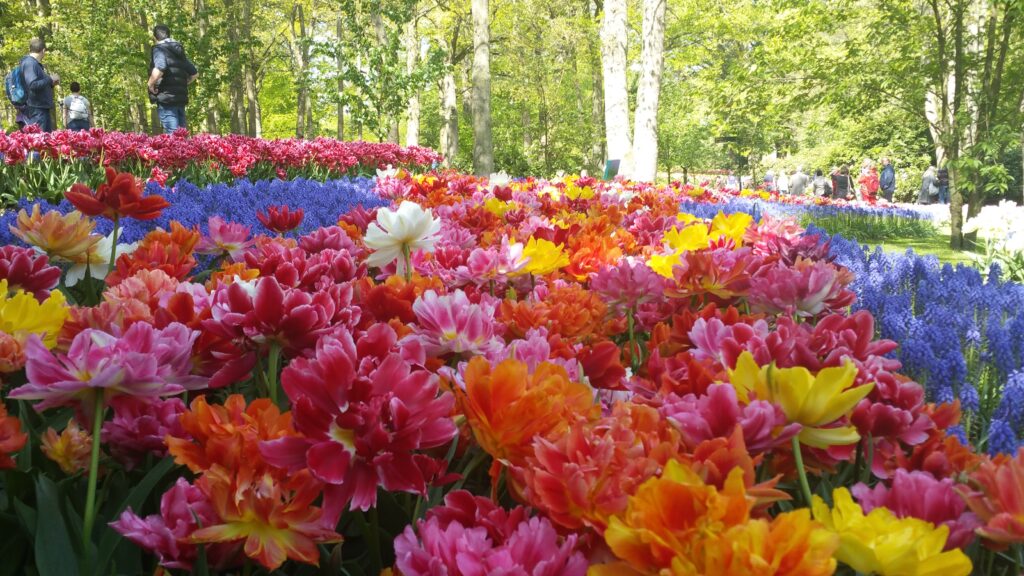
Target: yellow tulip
(544, 257)
(812, 401)
(21, 314)
(732, 226)
(664, 263)
(693, 237)
(883, 544)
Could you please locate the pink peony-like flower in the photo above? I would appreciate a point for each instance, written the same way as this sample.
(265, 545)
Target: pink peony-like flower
(493, 264)
(228, 238)
(450, 324)
(143, 362)
(717, 413)
(254, 316)
(626, 286)
(183, 510)
(710, 337)
(919, 495)
(805, 289)
(329, 238)
(138, 428)
(364, 415)
(151, 287)
(26, 269)
(472, 536)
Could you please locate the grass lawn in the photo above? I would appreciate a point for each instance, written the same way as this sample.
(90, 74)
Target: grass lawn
(937, 244)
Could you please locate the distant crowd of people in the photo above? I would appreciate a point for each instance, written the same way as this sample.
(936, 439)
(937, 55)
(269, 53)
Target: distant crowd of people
(30, 87)
(870, 184)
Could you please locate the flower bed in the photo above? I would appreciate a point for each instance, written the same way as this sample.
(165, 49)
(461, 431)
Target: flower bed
(545, 378)
(39, 164)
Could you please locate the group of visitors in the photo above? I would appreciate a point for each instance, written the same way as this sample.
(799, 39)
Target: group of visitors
(30, 87)
(839, 184)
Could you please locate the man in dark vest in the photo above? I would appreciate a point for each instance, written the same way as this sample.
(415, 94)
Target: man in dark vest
(171, 73)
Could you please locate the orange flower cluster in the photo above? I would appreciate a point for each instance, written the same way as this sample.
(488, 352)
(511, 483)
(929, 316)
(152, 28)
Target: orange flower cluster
(507, 406)
(267, 508)
(12, 439)
(677, 524)
(171, 252)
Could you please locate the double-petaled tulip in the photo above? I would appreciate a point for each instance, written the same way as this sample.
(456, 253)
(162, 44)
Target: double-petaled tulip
(26, 269)
(398, 233)
(881, 543)
(119, 197)
(281, 219)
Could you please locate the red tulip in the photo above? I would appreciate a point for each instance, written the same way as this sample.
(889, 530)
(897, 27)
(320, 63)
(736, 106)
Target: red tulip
(120, 197)
(281, 219)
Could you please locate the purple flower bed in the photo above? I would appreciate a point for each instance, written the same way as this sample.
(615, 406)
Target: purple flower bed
(323, 203)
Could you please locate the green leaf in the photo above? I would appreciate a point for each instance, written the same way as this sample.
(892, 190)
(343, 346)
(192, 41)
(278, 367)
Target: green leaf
(13, 552)
(110, 539)
(54, 554)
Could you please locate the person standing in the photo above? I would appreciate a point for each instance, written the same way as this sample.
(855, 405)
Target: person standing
(820, 186)
(869, 183)
(798, 182)
(769, 181)
(842, 184)
(38, 109)
(942, 181)
(731, 182)
(783, 182)
(77, 110)
(929, 188)
(171, 72)
(887, 180)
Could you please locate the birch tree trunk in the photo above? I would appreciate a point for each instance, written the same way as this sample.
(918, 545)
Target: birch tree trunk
(449, 118)
(597, 147)
(483, 144)
(412, 49)
(652, 60)
(301, 50)
(616, 96)
(340, 62)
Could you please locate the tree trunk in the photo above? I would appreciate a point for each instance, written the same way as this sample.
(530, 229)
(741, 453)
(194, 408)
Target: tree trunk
(412, 127)
(652, 59)
(483, 145)
(956, 217)
(300, 48)
(616, 96)
(340, 63)
(597, 146)
(253, 124)
(236, 91)
(449, 118)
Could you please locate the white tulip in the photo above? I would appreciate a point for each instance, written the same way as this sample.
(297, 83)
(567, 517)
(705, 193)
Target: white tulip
(398, 233)
(499, 180)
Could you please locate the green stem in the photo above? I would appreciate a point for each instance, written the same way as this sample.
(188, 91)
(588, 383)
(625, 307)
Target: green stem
(480, 456)
(408, 262)
(373, 540)
(94, 465)
(634, 350)
(869, 461)
(113, 246)
(272, 375)
(798, 456)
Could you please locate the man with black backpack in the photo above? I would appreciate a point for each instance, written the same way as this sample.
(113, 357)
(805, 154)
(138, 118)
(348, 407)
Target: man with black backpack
(30, 87)
(171, 73)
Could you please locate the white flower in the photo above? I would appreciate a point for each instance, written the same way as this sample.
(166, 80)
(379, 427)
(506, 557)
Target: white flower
(408, 228)
(390, 172)
(98, 261)
(499, 180)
